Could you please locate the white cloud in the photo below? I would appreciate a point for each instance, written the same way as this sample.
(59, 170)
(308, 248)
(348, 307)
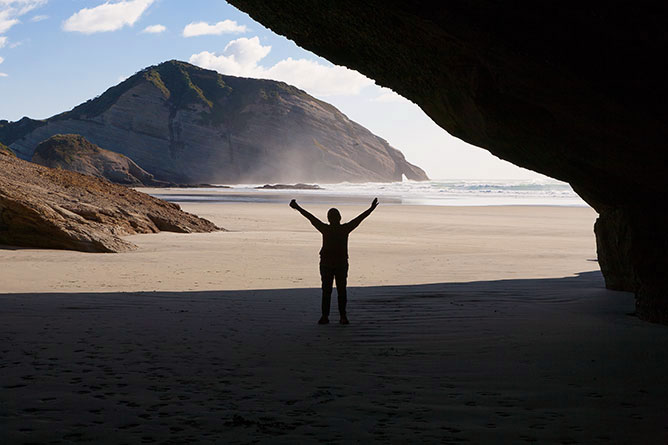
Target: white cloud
(107, 17)
(3, 41)
(246, 52)
(202, 28)
(39, 18)
(241, 57)
(4, 75)
(319, 79)
(154, 29)
(11, 10)
(1, 60)
(22, 6)
(5, 24)
(388, 96)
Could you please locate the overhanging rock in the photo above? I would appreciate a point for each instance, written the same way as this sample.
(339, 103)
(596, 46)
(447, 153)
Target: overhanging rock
(572, 91)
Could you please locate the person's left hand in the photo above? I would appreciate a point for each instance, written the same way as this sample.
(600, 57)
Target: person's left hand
(374, 204)
(294, 204)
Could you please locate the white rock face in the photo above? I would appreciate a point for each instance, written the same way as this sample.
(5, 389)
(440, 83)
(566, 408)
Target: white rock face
(185, 124)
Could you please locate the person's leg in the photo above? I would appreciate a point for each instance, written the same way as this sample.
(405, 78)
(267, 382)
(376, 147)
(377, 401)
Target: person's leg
(341, 275)
(327, 277)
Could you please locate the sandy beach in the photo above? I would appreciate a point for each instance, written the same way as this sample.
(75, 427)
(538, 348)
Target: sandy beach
(469, 325)
(270, 246)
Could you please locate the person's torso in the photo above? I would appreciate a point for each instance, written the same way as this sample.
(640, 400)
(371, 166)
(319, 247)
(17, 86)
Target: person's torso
(335, 244)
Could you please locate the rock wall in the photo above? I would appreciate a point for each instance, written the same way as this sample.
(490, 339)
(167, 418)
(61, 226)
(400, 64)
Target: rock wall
(572, 90)
(632, 253)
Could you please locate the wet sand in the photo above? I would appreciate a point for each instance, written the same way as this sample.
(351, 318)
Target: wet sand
(478, 325)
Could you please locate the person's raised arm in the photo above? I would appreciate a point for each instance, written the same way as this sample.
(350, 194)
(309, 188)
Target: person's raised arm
(315, 221)
(352, 225)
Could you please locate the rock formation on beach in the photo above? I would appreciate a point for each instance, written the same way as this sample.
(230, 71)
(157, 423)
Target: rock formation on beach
(73, 152)
(185, 124)
(574, 91)
(52, 208)
(290, 187)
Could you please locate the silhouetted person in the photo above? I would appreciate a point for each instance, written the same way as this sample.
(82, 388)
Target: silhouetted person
(334, 255)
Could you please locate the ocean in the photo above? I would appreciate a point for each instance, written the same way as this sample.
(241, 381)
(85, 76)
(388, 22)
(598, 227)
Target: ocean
(546, 192)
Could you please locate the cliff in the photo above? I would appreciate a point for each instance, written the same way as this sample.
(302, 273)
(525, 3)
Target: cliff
(185, 124)
(576, 91)
(73, 152)
(58, 209)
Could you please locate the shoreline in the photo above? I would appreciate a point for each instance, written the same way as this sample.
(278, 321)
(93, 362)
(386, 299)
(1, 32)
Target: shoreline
(430, 193)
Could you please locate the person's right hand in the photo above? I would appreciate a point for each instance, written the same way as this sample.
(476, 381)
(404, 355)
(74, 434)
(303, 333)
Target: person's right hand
(374, 203)
(293, 204)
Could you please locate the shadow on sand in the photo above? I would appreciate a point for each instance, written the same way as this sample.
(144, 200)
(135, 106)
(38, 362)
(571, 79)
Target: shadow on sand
(546, 360)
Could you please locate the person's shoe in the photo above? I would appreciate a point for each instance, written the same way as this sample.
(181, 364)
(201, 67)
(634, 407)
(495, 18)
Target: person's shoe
(344, 320)
(323, 320)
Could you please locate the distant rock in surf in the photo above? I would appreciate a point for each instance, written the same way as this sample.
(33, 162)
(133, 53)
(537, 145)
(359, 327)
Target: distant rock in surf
(291, 187)
(184, 124)
(190, 186)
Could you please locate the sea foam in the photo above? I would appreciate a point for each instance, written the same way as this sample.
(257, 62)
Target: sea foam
(436, 192)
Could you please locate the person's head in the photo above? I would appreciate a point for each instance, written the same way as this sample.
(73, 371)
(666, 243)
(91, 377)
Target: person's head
(333, 216)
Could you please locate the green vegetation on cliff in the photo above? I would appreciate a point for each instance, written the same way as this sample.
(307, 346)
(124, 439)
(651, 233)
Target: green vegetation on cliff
(183, 84)
(6, 149)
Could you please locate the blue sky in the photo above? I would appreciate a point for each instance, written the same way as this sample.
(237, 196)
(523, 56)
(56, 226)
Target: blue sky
(55, 54)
